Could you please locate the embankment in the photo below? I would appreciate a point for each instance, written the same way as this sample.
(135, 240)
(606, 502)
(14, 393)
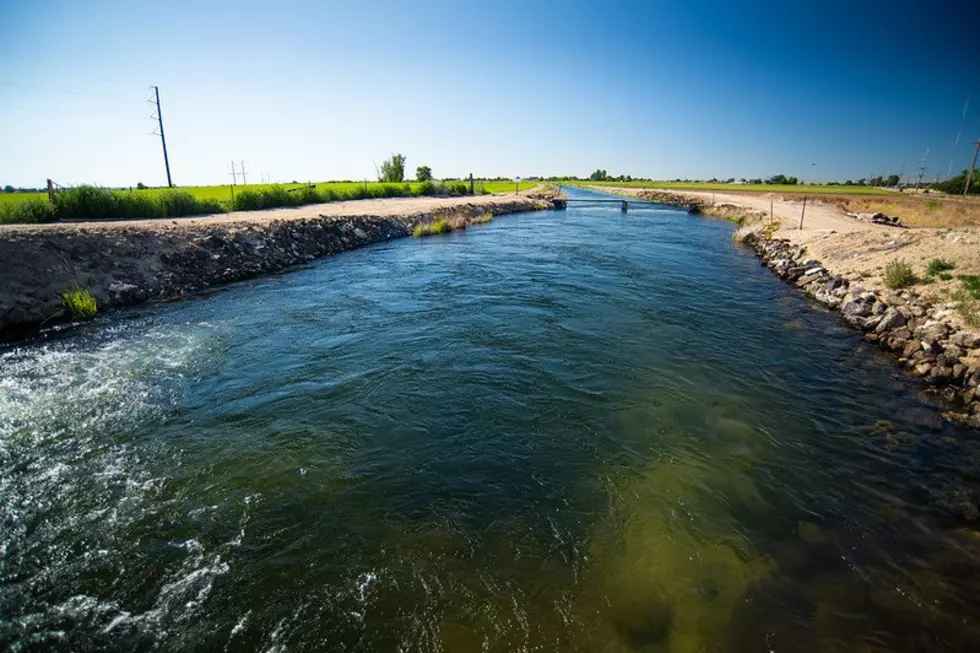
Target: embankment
(920, 326)
(126, 263)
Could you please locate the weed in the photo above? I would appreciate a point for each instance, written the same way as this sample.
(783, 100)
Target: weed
(971, 284)
(80, 303)
(440, 226)
(486, 218)
(866, 274)
(945, 276)
(899, 274)
(938, 265)
(933, 205)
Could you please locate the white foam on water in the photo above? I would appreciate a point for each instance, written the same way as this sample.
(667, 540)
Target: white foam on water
(73, 477)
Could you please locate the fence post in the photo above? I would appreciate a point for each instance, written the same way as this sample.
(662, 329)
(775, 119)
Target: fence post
(471, 183)
(50, 191)
(803, 213)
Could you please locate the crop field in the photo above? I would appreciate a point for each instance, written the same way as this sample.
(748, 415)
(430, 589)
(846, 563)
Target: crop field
(224, 193)
(816, 189)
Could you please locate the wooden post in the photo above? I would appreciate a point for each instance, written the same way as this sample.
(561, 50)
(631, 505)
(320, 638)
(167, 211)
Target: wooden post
(471, 183)
(803, 213)
(50, 191)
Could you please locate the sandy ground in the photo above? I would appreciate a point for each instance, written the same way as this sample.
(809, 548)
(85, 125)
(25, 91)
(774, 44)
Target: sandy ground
(847, 245)
(387, 207)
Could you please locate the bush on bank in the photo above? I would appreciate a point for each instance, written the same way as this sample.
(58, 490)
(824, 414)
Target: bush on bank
(93, 202)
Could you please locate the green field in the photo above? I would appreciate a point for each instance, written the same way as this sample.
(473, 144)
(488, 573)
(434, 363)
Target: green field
(756, 188)
(223, 193)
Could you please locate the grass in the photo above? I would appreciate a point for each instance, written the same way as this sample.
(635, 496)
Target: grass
(92, 202)
(968, 297)
(445, 225)
(758, 188)
(899, 274)
(80, 303)
(937, 266)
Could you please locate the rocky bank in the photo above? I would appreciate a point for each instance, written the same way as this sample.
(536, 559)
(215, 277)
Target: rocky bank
(123, 264)
(923, 337)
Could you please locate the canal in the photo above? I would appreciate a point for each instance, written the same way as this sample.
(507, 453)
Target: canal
(567, 430)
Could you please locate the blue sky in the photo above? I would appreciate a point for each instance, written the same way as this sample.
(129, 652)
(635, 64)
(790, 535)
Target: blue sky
(325, 90)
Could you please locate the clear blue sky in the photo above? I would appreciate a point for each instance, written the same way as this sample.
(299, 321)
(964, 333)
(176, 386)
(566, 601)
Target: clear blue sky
(318, 90)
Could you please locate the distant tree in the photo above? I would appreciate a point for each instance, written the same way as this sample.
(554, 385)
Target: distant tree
(782, 180)
(423, 173)
(8, 188)
(393, 170)
(140, 186)
(730, 180)
(892, 180)
(599, 175)
(955, 184)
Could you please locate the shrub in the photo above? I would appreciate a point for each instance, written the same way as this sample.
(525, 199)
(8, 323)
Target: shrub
(945, 276)
(425, 188)
(899, 274)
(933, 205)
(80, 303)
(938, 265)
(30, 211)
(248, 200)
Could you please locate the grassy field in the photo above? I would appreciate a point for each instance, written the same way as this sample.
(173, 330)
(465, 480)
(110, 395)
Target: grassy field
(754, 188)
(223, 193)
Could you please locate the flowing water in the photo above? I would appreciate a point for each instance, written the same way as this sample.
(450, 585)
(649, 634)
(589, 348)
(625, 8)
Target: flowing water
(574, 430)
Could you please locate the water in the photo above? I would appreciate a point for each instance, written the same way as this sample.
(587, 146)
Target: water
(563, 431)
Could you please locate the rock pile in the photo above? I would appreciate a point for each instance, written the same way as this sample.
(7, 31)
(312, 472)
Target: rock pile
(924, 339)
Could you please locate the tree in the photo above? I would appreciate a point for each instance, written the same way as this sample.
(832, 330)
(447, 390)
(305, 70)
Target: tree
(782, 180)
(140, 185)
(423, 173)
(892, 180)
(8, 188)
(393, 170)
(599, 175)
(955, 184)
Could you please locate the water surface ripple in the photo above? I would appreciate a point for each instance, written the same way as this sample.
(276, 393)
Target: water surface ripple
(574, 430)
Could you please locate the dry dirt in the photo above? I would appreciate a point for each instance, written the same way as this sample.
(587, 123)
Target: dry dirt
(846, 245)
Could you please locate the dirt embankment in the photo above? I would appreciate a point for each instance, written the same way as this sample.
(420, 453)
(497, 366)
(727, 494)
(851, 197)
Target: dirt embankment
(840, 262)
(128, 262)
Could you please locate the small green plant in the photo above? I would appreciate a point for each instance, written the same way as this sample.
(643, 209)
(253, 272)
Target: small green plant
(933, 205)
(945, 276)
(865, 274)
(486, 218)
(938, 265)
(440, 226)
(971, 284)
(899, 274)
(80, 303)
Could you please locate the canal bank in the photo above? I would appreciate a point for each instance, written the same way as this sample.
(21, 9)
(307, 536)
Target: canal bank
(129, 262)
(921, 328)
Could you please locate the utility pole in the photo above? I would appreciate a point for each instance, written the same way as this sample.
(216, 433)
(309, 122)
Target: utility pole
(234, 174)
(163, 139)
(969, 175)
(244, 181)
(922, 169)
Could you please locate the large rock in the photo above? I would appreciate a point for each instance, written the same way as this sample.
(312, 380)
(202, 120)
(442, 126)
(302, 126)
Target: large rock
(966, 339)
(892, 319)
